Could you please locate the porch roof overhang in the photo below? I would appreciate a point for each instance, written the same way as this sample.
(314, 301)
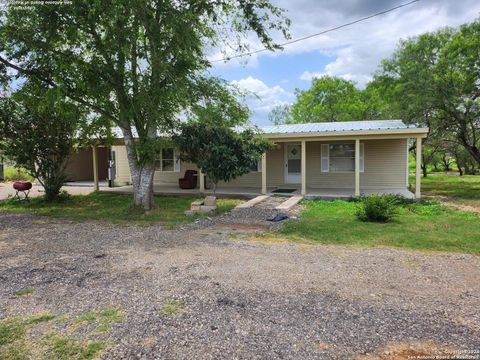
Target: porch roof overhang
(354, 134)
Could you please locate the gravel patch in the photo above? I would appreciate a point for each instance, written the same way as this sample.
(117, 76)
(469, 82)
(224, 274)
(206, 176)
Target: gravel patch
(236, 299)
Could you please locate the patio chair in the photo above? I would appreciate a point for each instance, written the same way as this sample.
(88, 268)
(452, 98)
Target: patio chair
(189, 180)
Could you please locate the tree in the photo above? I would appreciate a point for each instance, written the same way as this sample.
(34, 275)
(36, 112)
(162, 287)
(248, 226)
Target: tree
(458, 87)
(434, 80)
(280, 114)
(220, 152)
(328, 99)
(378, 104)
(139, 63)
(39, 127)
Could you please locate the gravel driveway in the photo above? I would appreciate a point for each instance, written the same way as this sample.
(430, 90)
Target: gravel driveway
(237, 298)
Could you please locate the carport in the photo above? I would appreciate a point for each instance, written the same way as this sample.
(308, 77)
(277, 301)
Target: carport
(88, 165)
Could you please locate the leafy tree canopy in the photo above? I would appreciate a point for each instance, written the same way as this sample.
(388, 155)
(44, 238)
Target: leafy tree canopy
(328, 99)
(222, 153)
(334, 99)
(434, 80)
(39, 127)
(139, 63)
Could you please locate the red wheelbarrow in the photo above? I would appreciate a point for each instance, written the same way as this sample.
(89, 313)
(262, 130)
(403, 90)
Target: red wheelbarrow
(22, 187)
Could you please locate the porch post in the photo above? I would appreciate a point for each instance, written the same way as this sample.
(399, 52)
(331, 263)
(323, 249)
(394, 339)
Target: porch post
(303, 168)
(357, 167)
(418, 169)
(264, 173)
(95, 168)
(201, 179)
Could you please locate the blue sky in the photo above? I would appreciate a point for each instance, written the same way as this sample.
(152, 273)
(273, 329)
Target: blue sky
(353, 53)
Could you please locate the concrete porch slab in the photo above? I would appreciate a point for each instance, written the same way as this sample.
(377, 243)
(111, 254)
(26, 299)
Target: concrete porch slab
(251, 192)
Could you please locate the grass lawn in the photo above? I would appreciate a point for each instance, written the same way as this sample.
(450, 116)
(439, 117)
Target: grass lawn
(424, 226)
(114, 208)
(18, 343)
(457, 189)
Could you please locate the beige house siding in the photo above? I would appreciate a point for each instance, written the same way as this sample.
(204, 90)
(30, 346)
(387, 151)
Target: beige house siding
(385, 164)
(121, 165)
(160, 178)
(171, 177)
(385, 167)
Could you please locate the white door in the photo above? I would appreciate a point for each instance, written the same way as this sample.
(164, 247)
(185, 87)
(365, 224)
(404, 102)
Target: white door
(293, 163)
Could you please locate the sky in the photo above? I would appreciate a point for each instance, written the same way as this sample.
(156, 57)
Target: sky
(353, 53)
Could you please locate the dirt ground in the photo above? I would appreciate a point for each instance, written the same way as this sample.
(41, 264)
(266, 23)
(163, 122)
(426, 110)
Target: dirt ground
(237, 298)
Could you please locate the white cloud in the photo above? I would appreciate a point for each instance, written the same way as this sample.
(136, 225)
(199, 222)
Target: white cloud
(263, 98)
(358, 49)
(308, 75)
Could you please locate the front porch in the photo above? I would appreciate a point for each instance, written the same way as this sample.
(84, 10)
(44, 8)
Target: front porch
(251, 192)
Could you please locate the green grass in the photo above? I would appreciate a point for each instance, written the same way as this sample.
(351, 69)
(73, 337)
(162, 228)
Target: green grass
(422, 226)
(11, 173)
(102, 318)
(459, 189)
(64, 348)
(172, 307)
(169, 211)
(24, 292)
(17, 342)
(14, 344)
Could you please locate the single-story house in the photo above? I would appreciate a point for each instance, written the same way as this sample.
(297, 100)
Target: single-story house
(334, 159)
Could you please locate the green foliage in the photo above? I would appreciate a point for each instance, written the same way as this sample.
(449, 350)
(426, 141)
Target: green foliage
(280, 114)
(137, 63)
(39, 127)
(219, 151)
(14, 174)
(377, 208)
(328, 99)
(335, 99)
(431, 80)
(218, 104)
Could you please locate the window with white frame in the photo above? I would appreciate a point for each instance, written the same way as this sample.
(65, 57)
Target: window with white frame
(341, 158)
(168, 160)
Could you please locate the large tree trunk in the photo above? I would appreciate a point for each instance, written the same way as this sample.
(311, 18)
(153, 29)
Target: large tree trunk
(142, 176)
(473, 151)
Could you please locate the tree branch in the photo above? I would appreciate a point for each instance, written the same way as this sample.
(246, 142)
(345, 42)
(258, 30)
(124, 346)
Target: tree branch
(52, 83)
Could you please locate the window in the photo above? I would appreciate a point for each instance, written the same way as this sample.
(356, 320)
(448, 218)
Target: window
(256, 167)
(340, 158)
(168, 160)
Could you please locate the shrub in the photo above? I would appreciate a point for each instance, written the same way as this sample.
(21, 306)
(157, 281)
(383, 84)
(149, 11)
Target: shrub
(378, 208)
(14, 174)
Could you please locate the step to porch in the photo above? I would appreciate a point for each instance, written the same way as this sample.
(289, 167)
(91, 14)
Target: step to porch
(271, 202)
(251, 203)
(289, 203)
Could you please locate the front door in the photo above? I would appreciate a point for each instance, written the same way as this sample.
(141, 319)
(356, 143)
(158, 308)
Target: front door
(293, 163)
